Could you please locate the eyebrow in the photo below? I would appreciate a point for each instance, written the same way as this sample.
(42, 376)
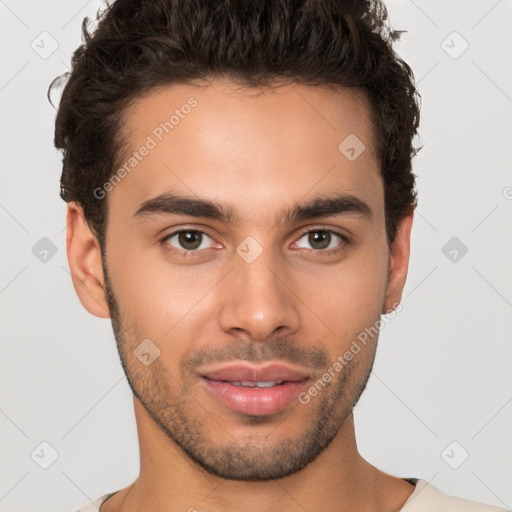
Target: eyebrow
(322, 206)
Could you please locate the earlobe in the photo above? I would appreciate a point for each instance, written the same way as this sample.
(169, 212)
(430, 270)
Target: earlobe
(84, 258)
(398, 264)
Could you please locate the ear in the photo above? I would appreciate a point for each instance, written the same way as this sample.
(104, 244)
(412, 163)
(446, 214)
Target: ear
(84, 258)
(398, 263)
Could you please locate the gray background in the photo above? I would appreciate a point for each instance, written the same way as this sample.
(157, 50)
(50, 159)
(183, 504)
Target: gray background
(443, 368)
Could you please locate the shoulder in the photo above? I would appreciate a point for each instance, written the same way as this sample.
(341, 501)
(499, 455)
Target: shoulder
(428, 498)
(93, 506)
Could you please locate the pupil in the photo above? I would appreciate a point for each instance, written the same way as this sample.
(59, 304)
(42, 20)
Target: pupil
(323, 239)
(189, 239)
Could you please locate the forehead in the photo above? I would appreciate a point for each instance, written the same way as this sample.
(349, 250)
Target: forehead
(255, 149)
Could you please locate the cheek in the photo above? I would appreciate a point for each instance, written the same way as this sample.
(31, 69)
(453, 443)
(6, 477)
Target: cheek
(354, 294)
(165, 300)
(154, 294)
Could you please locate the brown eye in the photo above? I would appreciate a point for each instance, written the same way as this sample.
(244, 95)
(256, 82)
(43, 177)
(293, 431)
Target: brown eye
(322, 239)
(187, 240)
(319, 239)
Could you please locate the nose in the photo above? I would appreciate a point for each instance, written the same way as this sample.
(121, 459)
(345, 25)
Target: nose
(259, 299)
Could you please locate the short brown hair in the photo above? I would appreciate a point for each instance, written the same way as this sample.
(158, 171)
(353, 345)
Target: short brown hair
(142, 44)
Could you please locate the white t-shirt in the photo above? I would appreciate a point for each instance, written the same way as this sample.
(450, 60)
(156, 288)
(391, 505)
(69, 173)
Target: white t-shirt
(425, 498)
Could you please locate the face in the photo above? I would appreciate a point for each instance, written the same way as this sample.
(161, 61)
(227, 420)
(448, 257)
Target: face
(245, 252)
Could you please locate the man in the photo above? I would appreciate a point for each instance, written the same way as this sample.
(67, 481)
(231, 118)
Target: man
(241, 199)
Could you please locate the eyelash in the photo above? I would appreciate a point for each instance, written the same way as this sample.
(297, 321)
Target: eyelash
(320, 252)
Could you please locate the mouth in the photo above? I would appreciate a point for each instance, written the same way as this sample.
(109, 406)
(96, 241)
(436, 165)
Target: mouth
(261, 384)
(254, 389)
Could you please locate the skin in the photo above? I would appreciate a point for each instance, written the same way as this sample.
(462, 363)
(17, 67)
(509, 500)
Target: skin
(259, 154)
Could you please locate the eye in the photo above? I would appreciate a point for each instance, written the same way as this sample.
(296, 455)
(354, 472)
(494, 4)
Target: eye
(323, 239)
(186, 240)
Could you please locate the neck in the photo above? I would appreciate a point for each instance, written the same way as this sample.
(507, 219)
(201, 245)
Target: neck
(338, 479)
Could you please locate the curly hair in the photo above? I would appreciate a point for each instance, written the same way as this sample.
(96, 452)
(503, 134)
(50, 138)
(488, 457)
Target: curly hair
(138, 45)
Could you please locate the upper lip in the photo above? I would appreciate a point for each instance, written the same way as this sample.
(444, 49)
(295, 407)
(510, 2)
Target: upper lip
(237, 372)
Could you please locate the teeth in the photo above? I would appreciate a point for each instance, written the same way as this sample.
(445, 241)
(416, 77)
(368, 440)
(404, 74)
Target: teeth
(267, 384)
(261, 384)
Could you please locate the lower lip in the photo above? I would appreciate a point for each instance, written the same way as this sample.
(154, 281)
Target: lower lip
(254, 401)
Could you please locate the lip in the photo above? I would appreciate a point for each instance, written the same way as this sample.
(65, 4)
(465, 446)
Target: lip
(254, 400)
(244, 371)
